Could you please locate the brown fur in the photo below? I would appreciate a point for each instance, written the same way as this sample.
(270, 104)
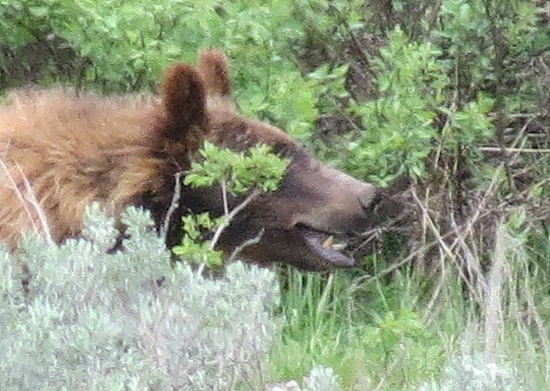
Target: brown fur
(213, 66)
(58, 153)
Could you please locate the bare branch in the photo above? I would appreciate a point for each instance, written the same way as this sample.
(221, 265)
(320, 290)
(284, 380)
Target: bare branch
(230, 216)
(245, 244)
(173, 205)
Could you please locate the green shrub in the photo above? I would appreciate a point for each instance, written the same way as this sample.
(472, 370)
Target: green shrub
(474, 373)
(235, 173)
(322, 379)
(401, 124)
(127, 320)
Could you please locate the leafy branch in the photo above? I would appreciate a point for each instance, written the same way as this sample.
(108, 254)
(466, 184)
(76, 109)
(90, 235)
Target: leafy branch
(236, 173)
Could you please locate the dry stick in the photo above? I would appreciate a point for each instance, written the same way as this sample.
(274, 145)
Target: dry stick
(481, 207)
(230, 216)
(515, 150)
(492, 116)
(463, 230)
(456, 231)
(427, 318)
(224, 197)
(459, 239)
(446, 248)
(243, 245)
(452, 111)
(424, 226)
(516, 141)
(461, 236)
(18, 193)
(365, 280)
(432, 227)
(173, 205)
(31, 198)
(461, 233)
(521, 133)
(371, 234)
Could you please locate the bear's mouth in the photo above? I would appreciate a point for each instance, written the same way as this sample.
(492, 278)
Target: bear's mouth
(331, 247)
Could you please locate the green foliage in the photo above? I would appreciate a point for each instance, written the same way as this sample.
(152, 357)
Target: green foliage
(410, 81)
(438, 75)
(192, 247)
(401, 123)
(330, 322)
(98, 321)
(240, 172)
(330, 82)
(236, 173)
(388, 332)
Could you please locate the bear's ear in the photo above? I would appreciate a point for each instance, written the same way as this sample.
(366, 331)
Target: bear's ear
(184, 97)
(214, 71)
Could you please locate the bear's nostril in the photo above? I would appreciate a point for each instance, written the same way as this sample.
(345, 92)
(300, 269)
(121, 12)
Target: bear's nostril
(368, 202)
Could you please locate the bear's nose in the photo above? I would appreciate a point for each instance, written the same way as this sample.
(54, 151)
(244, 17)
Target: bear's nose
(368, 199)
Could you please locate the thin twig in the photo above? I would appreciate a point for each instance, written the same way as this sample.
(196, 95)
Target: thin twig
(246, 243)
(516, 150)
(230, 216)
(461, 231)
(31, 199)
(173, 205)
(224, 197)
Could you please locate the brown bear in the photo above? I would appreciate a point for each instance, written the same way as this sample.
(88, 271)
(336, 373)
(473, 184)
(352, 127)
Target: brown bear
(60, 152)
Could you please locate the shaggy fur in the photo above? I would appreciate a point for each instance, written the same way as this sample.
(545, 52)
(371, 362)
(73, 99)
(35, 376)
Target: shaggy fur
(58, 153)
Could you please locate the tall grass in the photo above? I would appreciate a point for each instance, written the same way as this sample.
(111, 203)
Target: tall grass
(425, 330)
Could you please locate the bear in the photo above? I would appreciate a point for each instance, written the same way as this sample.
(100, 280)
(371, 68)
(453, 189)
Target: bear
(59, 152)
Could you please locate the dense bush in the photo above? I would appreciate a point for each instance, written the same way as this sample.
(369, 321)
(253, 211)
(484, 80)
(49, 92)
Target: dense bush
(473, 373)
(128, 320)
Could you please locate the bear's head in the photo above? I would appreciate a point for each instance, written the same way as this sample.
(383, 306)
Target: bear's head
(315, 206)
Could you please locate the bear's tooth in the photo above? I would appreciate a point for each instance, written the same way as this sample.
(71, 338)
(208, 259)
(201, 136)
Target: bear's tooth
(339, 246)
(328, 242)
